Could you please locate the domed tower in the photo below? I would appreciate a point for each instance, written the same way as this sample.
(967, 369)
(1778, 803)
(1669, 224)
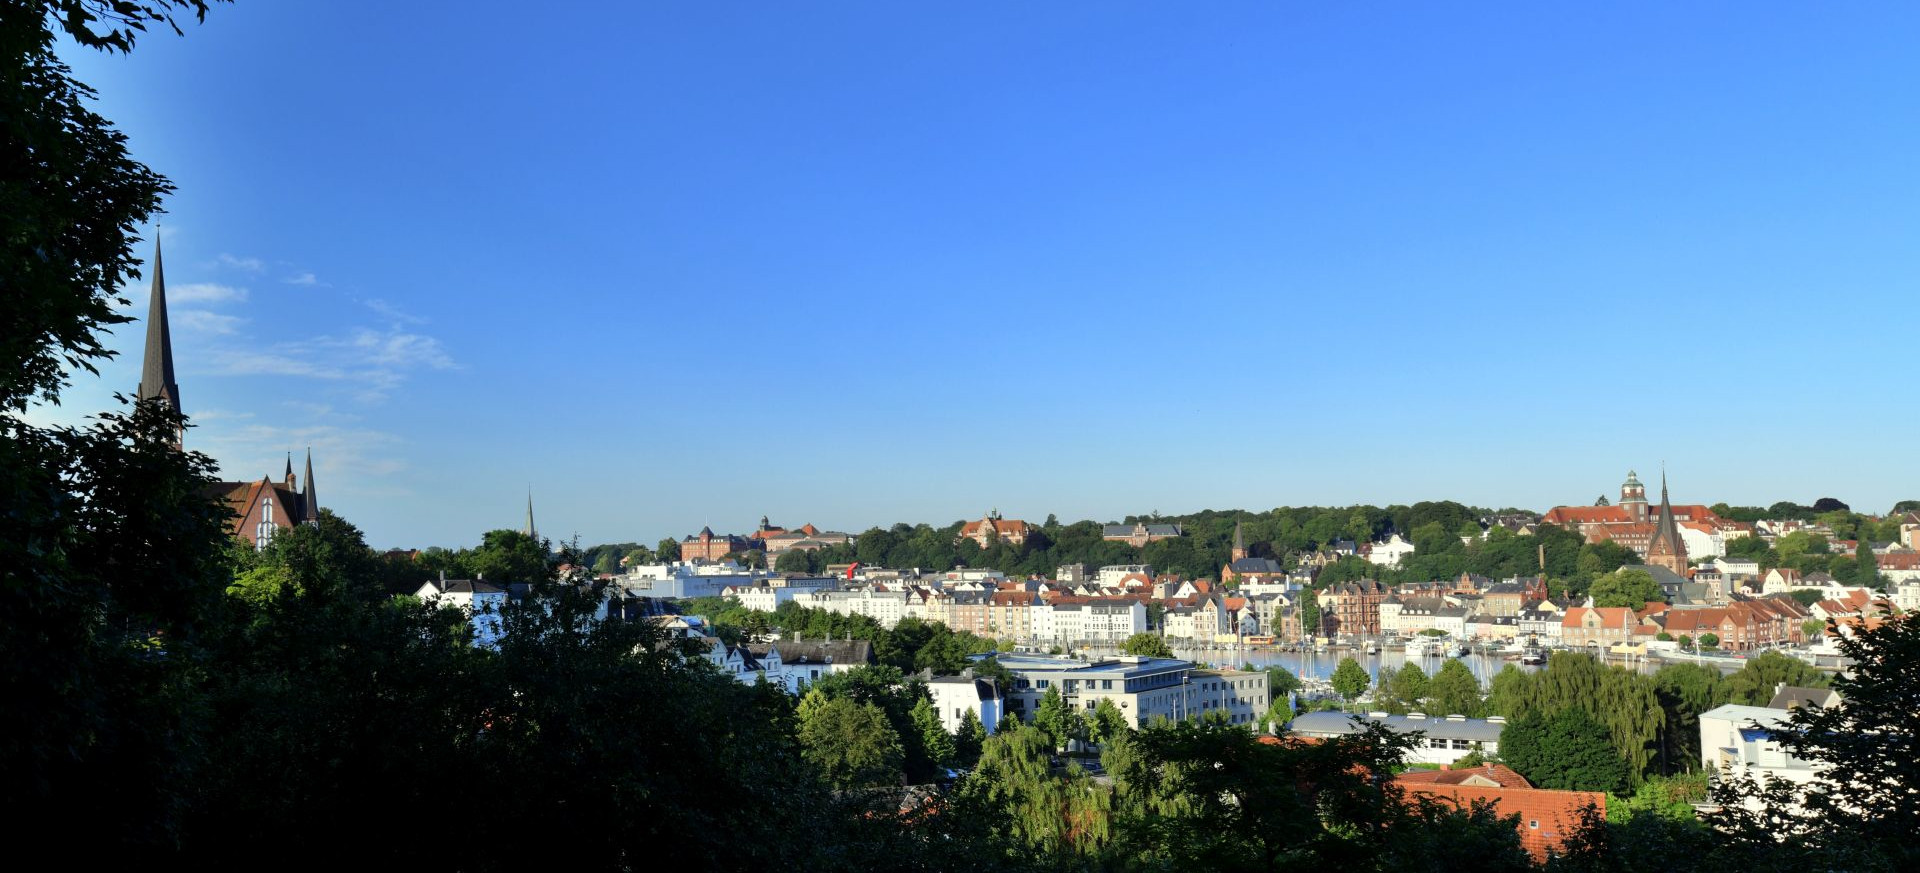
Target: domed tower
(1633, 498)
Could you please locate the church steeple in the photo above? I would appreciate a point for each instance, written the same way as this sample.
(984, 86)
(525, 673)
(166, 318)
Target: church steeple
(307, 497)
(156, 371)
(1239, 542)
(532, 532)
(1667, 548)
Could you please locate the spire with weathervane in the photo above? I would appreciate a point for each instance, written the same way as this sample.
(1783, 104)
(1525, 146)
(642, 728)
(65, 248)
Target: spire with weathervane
(156, 370)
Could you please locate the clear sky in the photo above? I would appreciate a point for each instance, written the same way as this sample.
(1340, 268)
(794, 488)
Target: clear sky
(679, 264)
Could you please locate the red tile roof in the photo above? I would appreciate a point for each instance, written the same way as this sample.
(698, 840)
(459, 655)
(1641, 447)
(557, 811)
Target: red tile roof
(1547, 818)
(1485, 776)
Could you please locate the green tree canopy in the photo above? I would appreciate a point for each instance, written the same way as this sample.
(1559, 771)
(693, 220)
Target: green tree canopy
(1633, 589)
(1454, 691)
(1350, 679)
(1146, 645)
(852, 743)
(1566, 750)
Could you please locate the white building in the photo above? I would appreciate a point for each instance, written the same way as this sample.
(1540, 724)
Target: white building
(1906, 595)
(1445, 739)
(955, 696)
(684, 579)
(1390, 552)
(1734, 740)
(482, 601)
(1112, 575)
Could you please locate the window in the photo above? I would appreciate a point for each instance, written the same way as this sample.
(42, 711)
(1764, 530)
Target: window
(1106, 685)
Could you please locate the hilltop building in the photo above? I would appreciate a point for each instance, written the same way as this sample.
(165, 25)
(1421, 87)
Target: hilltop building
(991, 526)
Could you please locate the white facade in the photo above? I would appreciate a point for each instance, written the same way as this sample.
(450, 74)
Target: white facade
(1906, 595)
(1391, 552)
(1733, 740)
(481, 601)
(954, 696)
(1111, 576)
(1701, 544)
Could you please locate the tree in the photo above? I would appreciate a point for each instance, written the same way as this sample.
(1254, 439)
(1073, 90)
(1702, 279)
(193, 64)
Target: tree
(1053, 719)
(1762, 675)
(1106, 723)
(1829, 504)
(1350, 679)
(115, 559)
(1146, 645)
(1709, 641)
(1309, 612)
(1633, 589)
(668, 551)
(1281, 682)
(1567, 750)
(1867, 573)
(1861, 805)
(1454, 691)
(1407, 687)
(793, 561)
(934, 739)
(969, 739)
(852, 743)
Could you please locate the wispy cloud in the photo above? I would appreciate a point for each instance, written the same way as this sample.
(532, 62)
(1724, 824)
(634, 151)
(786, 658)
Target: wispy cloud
(305, 279)
(373, 362)
(347, 460)
(206, 322)
(393, 312)
(205, 292)
(402, 350)
(235, 262)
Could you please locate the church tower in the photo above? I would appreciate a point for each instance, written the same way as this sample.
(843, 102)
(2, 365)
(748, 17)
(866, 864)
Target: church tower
(308, 500)
(1633, 497)
(156, 369)
(1239, 542)
(262, 507)
(1667, 548)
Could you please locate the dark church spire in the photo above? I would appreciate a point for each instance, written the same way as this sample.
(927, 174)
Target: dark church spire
(156, 373)
(307, 497)
(532, 532)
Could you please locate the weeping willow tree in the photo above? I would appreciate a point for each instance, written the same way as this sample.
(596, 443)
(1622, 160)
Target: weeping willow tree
(1626, 702)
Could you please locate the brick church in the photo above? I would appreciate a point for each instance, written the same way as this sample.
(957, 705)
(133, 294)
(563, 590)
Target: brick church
(1653, 533)
(262, 507)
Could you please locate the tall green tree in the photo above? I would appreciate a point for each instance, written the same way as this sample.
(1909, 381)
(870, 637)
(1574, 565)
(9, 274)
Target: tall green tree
(1568, 750)
(1861, 809)
(853, 744)
(934, 739)
(1454, 691)
(1106, 723)
(969, 739)
(1350, 679)
(114, 558)
(1053, 719)
(1405, 689)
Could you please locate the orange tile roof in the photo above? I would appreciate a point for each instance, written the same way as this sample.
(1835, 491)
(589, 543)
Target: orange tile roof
(1547, 818)
(1500, 775)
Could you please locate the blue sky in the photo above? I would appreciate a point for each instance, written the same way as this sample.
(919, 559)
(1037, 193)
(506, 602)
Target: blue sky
(685, 264)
